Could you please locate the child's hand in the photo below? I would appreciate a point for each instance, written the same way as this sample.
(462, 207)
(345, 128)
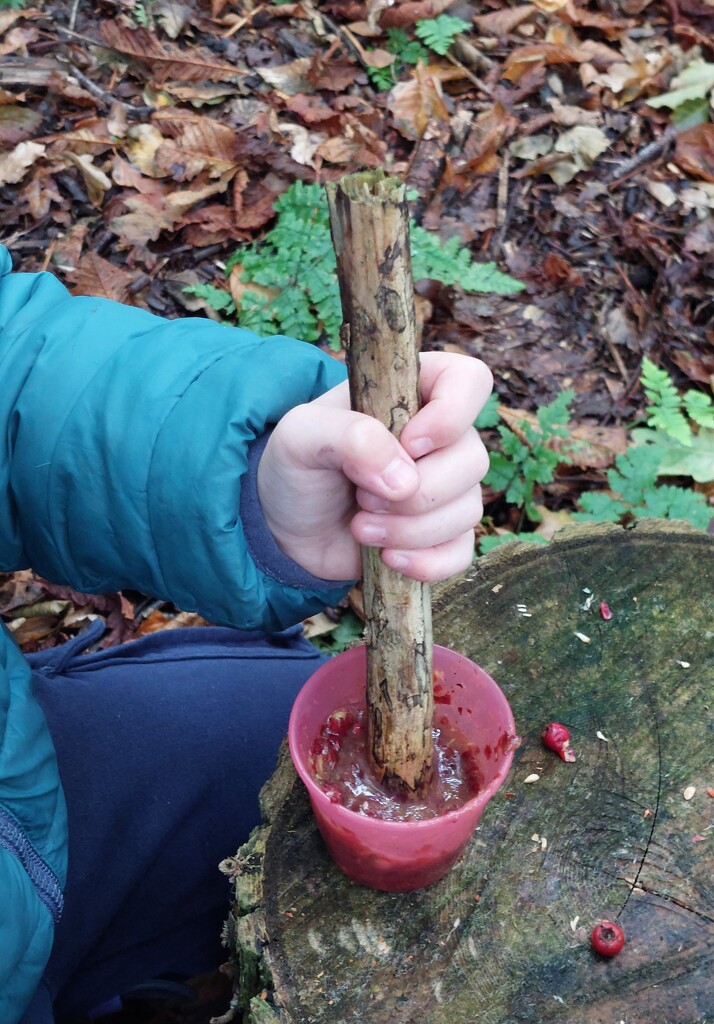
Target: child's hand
(331, 479)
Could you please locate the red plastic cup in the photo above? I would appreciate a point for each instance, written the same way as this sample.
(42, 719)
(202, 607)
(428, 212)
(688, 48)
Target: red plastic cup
(398, 856)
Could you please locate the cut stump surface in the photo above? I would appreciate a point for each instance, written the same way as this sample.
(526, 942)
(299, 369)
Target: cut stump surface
(505, 937)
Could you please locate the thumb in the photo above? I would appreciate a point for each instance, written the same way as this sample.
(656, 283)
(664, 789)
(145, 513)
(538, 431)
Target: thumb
(323, 437)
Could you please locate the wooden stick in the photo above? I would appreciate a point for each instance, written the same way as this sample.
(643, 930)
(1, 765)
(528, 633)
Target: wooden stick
(370, 233)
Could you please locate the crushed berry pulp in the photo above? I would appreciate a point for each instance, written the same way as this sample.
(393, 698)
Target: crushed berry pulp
(339, 762)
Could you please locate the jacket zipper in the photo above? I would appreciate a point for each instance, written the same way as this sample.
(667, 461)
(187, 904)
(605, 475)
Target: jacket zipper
(45, 881)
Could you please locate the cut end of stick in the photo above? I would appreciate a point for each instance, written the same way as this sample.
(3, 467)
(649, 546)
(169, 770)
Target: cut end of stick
(373, 188)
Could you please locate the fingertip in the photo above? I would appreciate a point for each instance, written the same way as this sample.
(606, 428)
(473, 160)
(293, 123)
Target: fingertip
(400, 477)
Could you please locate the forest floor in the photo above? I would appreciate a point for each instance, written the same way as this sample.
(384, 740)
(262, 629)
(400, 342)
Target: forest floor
(143, 141)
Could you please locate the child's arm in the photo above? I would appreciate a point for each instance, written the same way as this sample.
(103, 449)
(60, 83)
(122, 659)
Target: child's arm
(135, 456)
(124, 447)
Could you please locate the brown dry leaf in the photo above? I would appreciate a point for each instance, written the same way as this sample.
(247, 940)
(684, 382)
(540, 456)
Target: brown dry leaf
(595, 447)
(256, 206)
(201, 143)
(167, 60)
(141, 145)
(95, 180)
(68, 247)
(291, 78)
(94, 137)
(14, 165)
(501, 23)
(124, 173)
(31, 631)
(549, 6)
(491, 129)
(332, 74)
(560, 272)
(311, 109)
(238, 288)
(8, 18)
(525, 57)
(172, 16)
(405, 14)
(694, 151)
(96, 276)
(17, 124)
(200, 93)
(551, 522)
(159, 620)
(610, 27)
(147, 217)
(18, 40)
(209, 225)
(40, 192)
(181, 201)
(415, 102)
(18, 589)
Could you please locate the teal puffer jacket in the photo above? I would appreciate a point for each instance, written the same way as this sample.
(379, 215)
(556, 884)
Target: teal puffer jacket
(124, 438)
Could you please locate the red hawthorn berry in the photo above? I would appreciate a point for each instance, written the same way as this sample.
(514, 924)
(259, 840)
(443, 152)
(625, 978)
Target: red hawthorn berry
(605, 612)
(556, 737)
(607, 938)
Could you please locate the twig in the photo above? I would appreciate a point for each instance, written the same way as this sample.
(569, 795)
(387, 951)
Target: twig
(73, 14)
(100, 94)
(649, 152)
(502, 198)
(470, 75)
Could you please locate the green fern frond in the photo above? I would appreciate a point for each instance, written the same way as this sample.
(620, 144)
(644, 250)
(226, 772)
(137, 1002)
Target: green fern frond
(439, 33)
(665, 412)
(699, 407)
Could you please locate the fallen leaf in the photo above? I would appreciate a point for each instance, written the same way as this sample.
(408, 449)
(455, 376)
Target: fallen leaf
(146, 218)
(140, 147)
(415, 102)
(694, 151)
(17, 124)
(584, 142)
(524, 58)
(201, 143)
(501, 23)
(14, 165)
(291, 78)
(96, 276)
(549, 6)
(95, 179)
(403, 15)
(167, 60)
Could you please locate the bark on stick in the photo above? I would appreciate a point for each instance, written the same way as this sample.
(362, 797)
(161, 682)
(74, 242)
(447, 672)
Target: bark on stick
(370, 232)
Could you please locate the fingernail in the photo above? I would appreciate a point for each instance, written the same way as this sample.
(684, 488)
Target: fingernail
(372, 535)
(398, 562)
(398, 474)
(373, 503)
(422, 446)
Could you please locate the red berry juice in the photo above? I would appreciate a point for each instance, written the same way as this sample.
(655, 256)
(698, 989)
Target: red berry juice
(339, 762)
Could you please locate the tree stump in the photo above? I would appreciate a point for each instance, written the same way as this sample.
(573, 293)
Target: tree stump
(504, 938)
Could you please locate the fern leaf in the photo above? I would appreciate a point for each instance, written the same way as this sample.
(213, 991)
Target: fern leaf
(669, 502)
(439, 33)
(489, 415)
(599, 507)
(665, 412)
(635, 474)
(486, 277)
(699, 407)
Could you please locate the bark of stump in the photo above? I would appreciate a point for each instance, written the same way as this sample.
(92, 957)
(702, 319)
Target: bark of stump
(505, 937)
